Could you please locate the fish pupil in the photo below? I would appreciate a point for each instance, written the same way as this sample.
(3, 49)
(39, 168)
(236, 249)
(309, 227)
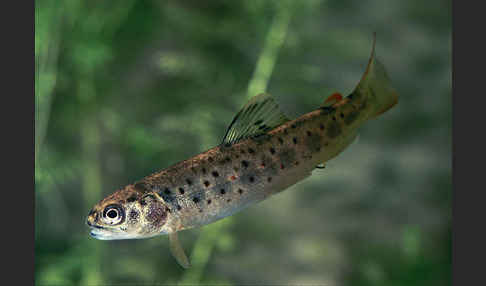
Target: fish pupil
(112, 214)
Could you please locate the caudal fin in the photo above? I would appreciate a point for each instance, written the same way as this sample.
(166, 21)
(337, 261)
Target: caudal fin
(375, 86)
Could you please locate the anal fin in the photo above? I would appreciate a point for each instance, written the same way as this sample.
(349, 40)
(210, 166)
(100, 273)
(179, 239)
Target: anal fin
(177, 251)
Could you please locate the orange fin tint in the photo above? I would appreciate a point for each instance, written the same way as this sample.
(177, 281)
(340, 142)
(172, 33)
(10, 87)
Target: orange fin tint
(334, 98)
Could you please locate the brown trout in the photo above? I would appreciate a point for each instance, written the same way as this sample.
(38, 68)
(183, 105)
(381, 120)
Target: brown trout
(262, 153)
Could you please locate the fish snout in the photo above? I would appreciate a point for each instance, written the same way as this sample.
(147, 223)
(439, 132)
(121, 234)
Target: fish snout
(91, 218)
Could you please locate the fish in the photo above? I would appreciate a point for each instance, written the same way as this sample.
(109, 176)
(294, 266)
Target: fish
(262, 153)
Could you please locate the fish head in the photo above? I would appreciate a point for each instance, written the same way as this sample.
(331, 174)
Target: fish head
(128, 214)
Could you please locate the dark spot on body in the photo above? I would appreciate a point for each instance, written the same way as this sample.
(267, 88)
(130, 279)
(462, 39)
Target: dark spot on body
(309, 133)
(181, 191)
(228, 200)
(195, 200)
(132, 199)
(243, 151)
(251, 151)
(227, 159)
(206, 183)
(240, 191)
(272, 150)
(351, 117)
(293, 126)
(133, 215)
(280, 140)
(269, 179)
(294, 140)
(334, 118)
(326, 110)
(252, 179)
(334, 130)
(166, 195)
(189, 182)
(204, 170)
(287, 157)
(141, 187)
(342, 115)
(210, 159)
(258, 122)
(178, 207)
(209, 202)
(262, 137)
(215, 174)
(321, 126)
(222, 191)
(245, 163)
(313, 142)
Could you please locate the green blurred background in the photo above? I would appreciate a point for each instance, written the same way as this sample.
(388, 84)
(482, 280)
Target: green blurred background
(125, 88)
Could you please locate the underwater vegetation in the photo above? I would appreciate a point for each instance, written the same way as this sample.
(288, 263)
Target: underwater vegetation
(127, 90)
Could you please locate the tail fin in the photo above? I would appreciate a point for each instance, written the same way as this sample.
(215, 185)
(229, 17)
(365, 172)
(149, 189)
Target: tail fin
(376, 87)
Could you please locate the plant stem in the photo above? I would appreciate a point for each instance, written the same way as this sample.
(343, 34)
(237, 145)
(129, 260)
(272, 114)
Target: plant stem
(210, 235)
(273, 42)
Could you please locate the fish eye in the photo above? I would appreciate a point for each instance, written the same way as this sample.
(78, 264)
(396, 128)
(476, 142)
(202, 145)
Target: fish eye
(113, 214)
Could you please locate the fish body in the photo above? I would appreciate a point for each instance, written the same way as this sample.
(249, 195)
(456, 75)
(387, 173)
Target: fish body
(263, 153)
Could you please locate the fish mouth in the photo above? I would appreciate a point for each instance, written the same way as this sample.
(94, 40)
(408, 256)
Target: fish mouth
(99, 234)
(103, 233)
(93, 234)
(96, 230)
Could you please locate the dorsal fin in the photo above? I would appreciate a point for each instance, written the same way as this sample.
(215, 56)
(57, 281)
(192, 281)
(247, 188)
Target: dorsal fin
(259, 115)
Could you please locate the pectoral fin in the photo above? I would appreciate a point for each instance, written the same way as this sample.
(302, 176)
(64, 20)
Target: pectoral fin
(177, 250)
